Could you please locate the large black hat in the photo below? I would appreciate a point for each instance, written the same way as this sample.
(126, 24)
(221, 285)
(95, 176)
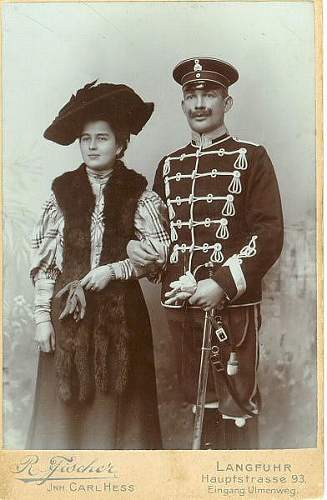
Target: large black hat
(119, 102)
(205, 69)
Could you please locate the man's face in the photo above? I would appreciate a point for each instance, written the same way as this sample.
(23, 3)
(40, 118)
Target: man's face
(205, 109)
(98, 145)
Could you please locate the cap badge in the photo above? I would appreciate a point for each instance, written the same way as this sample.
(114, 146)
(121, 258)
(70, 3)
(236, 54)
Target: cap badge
(197, 65)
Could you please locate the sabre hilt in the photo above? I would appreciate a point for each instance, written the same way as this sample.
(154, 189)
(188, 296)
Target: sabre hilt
(209, 265)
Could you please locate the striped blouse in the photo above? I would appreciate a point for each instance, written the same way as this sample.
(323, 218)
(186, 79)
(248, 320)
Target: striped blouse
(150, 223)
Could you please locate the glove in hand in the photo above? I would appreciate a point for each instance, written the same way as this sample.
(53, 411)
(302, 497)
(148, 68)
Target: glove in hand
(182, 289)
(75, 302)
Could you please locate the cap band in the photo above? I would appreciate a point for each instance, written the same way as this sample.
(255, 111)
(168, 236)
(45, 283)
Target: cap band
(200, 84)
(210, 76)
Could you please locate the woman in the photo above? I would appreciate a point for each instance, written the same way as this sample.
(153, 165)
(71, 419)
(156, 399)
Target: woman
(96, 381)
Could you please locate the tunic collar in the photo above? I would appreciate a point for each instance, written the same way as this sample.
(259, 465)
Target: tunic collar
(206, 140)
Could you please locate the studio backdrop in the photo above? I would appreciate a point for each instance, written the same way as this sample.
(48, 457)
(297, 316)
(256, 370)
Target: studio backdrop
(49, 51)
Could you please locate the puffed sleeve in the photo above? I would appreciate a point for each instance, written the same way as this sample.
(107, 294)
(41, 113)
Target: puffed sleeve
(46, 257)
(151, 225)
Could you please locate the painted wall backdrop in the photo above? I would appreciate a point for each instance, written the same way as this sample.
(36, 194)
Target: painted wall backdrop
(51, 50)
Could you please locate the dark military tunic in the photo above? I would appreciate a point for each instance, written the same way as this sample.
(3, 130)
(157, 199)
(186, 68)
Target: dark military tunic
(224, 207)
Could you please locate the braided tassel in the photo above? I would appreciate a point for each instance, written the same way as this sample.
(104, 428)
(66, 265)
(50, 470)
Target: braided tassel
(166, 168)
(235, 186)
(217, 255)
(222, 231)
(173, 233)
(229, 209)
(250, 249)
(241, 162)
(167, 188)
(174, 255)
(171, 211)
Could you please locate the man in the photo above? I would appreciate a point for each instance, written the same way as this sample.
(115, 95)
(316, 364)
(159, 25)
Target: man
(224, 208)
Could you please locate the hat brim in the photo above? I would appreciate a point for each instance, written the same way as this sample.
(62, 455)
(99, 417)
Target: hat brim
(121, 106)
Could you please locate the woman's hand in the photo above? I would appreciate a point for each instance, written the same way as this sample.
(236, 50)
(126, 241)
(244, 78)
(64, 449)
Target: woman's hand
(75, 302)
(98, 278)
(142, 254)
(45, 337)
(146, 260)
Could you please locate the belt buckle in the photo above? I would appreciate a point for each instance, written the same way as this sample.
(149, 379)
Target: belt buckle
(221, 334)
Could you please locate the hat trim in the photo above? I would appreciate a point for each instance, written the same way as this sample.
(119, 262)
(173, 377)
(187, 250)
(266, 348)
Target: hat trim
(86, 105)
(136, 116)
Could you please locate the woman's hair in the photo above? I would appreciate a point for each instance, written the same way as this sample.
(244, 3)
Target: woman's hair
(119, 129)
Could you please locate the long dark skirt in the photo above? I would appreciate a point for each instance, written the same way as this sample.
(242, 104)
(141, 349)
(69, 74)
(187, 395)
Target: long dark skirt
(110, 421)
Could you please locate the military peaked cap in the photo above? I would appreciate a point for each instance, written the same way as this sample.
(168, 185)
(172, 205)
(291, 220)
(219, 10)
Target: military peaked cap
(206, 69)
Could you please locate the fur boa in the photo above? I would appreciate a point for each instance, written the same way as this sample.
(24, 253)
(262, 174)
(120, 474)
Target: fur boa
(94, 353)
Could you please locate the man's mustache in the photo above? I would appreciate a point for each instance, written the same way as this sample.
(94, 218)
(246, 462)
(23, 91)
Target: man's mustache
(202, 112)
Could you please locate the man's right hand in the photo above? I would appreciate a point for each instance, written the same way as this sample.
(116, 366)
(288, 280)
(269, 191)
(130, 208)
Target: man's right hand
(45, 336)
(141, 253)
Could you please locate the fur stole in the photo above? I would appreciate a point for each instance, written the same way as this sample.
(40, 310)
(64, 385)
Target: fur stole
(94, 353)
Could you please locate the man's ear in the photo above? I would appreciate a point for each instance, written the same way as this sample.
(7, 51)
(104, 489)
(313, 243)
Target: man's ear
(228, 103)
(183, 107)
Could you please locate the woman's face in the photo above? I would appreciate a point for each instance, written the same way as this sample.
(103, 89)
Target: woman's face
(98, 145)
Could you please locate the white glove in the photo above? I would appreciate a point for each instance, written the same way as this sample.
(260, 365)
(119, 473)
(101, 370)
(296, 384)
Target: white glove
(182, 289)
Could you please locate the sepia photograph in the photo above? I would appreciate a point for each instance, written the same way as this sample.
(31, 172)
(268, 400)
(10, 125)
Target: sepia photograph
(160, 229)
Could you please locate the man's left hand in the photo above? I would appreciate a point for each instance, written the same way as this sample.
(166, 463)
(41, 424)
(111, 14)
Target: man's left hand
(208, 294)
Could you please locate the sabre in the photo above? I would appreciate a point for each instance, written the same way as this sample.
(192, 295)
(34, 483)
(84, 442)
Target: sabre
(203, 373)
